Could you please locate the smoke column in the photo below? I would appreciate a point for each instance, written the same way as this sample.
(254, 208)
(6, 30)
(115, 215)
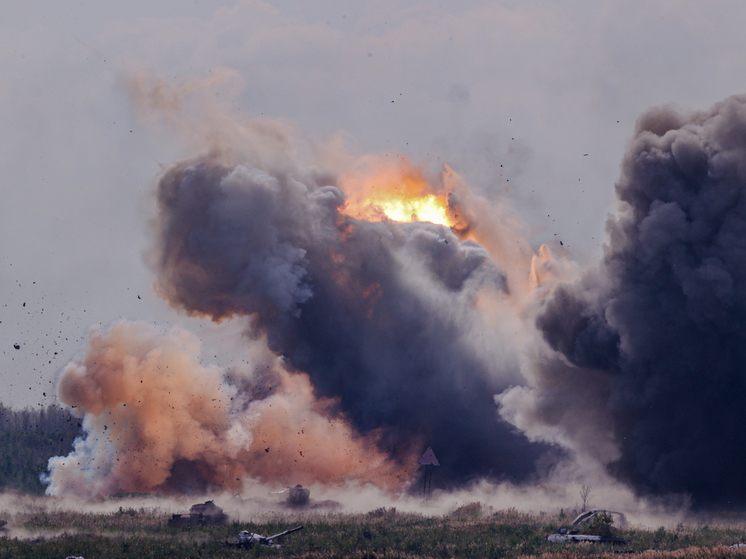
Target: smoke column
(386, 337)
(652, 379)
(377, 338)
(382, 316)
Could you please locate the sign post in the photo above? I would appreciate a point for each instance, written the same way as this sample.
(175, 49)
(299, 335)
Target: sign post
(429, 461)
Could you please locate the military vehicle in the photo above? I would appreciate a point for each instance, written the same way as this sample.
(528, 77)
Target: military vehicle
(584, 519)
(298, 496)
(247, 539)
(563, 535)
(203, 514)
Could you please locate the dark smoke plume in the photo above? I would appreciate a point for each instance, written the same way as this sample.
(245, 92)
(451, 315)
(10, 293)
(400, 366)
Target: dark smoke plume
(657, 334)
(382, 316)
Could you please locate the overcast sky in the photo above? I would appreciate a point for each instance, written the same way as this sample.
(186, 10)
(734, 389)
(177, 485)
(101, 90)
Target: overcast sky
(532, 102)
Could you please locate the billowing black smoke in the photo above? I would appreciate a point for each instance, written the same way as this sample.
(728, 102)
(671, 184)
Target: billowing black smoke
(381, 315)
(660, 327)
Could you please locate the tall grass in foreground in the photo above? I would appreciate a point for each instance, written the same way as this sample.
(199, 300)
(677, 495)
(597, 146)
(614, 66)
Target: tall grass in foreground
(471, 531)
(687, 553)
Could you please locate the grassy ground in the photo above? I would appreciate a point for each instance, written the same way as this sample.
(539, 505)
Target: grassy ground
(469, 532)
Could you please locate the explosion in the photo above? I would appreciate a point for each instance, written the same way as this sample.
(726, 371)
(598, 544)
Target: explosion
(357, 277)
(429, 208)
(378, 323)
(398, 194)
(401, 311)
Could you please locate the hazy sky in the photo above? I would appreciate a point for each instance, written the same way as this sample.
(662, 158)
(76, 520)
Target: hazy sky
(529, 101)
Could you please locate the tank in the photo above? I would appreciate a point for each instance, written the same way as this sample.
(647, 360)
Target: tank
(247, 539)
(203, 514)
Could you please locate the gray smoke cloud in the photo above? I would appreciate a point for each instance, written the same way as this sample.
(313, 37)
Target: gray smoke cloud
(371, 329)
(652, 343)
(382, 316)
(401, 335)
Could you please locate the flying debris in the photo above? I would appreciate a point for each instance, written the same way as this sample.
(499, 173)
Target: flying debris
(247, 539)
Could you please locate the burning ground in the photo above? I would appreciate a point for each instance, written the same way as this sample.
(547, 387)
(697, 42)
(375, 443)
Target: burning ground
(389, 306)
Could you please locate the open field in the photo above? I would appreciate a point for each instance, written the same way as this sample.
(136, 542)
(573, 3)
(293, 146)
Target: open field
(472, 531)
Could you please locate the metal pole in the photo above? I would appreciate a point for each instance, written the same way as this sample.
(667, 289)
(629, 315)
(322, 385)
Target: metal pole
(427, 484)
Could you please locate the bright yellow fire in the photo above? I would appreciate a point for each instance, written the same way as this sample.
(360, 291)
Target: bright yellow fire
(397, 193)
(425, 208)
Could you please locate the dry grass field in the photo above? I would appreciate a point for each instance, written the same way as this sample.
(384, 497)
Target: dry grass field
(471, 531)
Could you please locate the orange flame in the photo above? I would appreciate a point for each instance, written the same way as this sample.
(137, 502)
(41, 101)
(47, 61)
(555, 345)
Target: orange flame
(396, 194)
(426, 208)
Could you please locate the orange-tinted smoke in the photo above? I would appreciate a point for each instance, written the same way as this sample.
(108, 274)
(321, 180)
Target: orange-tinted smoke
(158, 421)
(297, 440)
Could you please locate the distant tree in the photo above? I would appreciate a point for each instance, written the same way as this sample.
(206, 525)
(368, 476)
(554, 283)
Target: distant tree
(28, 439)
(585, 494)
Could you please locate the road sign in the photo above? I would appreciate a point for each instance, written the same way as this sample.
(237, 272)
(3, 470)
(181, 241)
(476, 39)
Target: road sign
(429, 459)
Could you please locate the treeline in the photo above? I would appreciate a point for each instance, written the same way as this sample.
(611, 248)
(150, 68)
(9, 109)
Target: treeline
(28, 439)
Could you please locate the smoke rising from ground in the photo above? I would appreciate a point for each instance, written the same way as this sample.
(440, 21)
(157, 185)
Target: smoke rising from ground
(389, 337)
(654, 340)
(383, 337)
(157, 421)
(380, 315)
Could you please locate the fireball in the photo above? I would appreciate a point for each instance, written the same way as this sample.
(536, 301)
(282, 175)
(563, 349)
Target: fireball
(425, 208)
(401, 195)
